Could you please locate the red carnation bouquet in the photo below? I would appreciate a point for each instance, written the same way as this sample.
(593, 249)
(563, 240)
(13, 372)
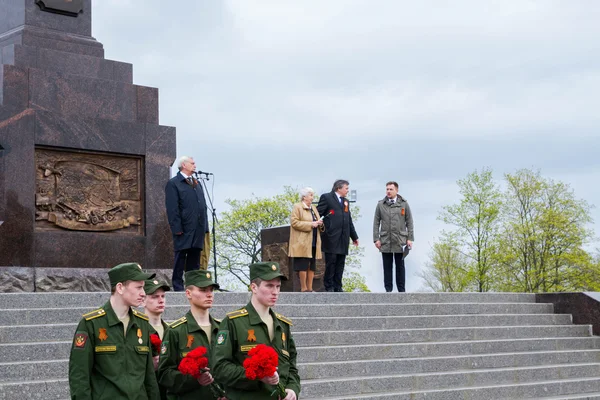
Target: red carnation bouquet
(195, 364)
(156, 344)
(262, 363)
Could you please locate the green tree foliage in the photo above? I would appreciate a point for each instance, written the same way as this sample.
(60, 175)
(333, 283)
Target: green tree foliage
(447, 270)
(354, 282)
(531, 238)
(544, 230)
(475, 219)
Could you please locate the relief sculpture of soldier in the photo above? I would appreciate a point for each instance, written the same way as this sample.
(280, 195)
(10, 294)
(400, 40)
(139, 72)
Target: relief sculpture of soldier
(188, 219)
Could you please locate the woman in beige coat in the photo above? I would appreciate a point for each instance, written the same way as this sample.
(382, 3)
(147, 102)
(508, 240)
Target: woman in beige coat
(305, 241)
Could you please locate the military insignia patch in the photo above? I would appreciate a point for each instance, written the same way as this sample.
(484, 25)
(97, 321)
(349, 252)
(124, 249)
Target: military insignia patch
(155, 282)
(102, 334)
(163, 348)
(273, 267)
(80, 340)
(221, 337)
(208, 275)
(190, 340)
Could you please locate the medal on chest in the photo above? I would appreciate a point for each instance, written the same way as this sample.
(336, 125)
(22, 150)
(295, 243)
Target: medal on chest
(139, 335)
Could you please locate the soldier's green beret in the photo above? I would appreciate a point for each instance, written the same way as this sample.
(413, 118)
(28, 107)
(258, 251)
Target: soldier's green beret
(199, 278)
(152, 285)
(266, 271)
(127, 272)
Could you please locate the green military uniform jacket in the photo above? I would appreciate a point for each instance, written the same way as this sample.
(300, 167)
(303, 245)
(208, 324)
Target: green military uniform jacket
(105, 364)
(241, 331)
(175, 347)
(393, 225)
(162, 389)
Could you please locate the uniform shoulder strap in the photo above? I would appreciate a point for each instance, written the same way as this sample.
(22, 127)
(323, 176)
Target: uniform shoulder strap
(94, 314)
(178, 322)
(140, 315)
(242, 312)
(284, 319)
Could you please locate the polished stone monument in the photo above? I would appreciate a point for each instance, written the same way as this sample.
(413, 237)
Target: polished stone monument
(83, 159)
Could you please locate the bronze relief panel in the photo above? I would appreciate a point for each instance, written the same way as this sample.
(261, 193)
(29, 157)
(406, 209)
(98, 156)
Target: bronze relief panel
(81, 191)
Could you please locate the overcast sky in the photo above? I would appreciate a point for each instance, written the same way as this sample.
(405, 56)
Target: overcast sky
(267, 93)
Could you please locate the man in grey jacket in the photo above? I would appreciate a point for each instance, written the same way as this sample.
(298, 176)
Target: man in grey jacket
(393, 234)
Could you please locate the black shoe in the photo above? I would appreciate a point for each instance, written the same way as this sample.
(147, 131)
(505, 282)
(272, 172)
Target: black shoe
(338, 290)
(329, 290)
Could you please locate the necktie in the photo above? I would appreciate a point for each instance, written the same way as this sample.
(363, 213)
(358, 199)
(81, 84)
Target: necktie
(189, 180)
(342, 201)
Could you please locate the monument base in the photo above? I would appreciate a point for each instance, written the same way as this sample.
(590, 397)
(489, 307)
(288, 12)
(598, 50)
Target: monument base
(29, 279)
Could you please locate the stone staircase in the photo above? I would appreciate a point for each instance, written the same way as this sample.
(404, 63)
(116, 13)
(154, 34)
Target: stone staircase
(352, 345)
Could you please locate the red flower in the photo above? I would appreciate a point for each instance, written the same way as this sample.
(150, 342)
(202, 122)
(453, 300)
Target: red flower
(194, 362)
(262, 362)
(156, 344)
(331, 212)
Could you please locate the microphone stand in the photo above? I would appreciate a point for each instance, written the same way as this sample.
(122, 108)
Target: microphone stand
(214, 220)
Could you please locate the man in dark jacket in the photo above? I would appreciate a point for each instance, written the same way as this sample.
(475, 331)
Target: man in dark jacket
(339, 228)
(188, 219)
(393, 234)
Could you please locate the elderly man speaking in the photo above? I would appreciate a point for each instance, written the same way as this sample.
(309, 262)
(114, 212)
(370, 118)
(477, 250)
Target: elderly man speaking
(188, 219)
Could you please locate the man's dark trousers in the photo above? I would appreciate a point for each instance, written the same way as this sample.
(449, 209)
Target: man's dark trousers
(185, 260)
(334, 270)
(388, 266)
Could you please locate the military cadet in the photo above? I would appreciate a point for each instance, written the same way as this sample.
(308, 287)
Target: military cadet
(154, 307)
(154, 304)
(248, 327)
(196, 328)
(111, 356)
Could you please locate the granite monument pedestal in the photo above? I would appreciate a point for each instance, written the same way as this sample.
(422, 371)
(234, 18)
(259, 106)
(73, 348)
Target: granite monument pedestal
(83, 159)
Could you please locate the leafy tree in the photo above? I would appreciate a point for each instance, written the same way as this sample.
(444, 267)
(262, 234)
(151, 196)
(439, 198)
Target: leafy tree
(544, 231)
(448, 269)
(531, 238)
(475, 218)
(354, 282)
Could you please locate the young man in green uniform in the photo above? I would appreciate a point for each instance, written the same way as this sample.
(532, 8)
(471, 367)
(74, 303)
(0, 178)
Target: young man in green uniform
(111, 356)
(154, 307)
(196, 328)
(248, 327)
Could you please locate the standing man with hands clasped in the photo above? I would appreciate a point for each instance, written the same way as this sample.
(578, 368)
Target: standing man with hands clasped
(393, 234)
(339, 229)
(188, 219)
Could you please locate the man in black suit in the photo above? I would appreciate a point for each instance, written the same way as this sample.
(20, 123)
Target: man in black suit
(188, 218)
(338, 231)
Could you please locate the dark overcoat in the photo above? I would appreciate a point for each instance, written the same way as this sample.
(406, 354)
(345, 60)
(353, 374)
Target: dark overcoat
(187, 213)
(338, 225)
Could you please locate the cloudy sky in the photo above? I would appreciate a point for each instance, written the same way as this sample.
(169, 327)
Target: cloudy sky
(267, 93)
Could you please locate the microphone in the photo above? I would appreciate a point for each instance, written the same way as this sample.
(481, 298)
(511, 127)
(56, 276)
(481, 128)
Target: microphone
(202, 173)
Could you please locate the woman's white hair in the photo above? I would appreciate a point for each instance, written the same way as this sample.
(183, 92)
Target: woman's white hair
(305, 192)
(183, 159)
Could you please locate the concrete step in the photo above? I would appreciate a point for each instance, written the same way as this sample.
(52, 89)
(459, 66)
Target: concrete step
(324, 370)
(441, 349)
(37, 351)
(52, 368)
(583, 396)
(38, 389)
(63, 332)
(443, 380)
(96, 299)
(559, 389)
(56, 315)
(435, 321)
(376, 325)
